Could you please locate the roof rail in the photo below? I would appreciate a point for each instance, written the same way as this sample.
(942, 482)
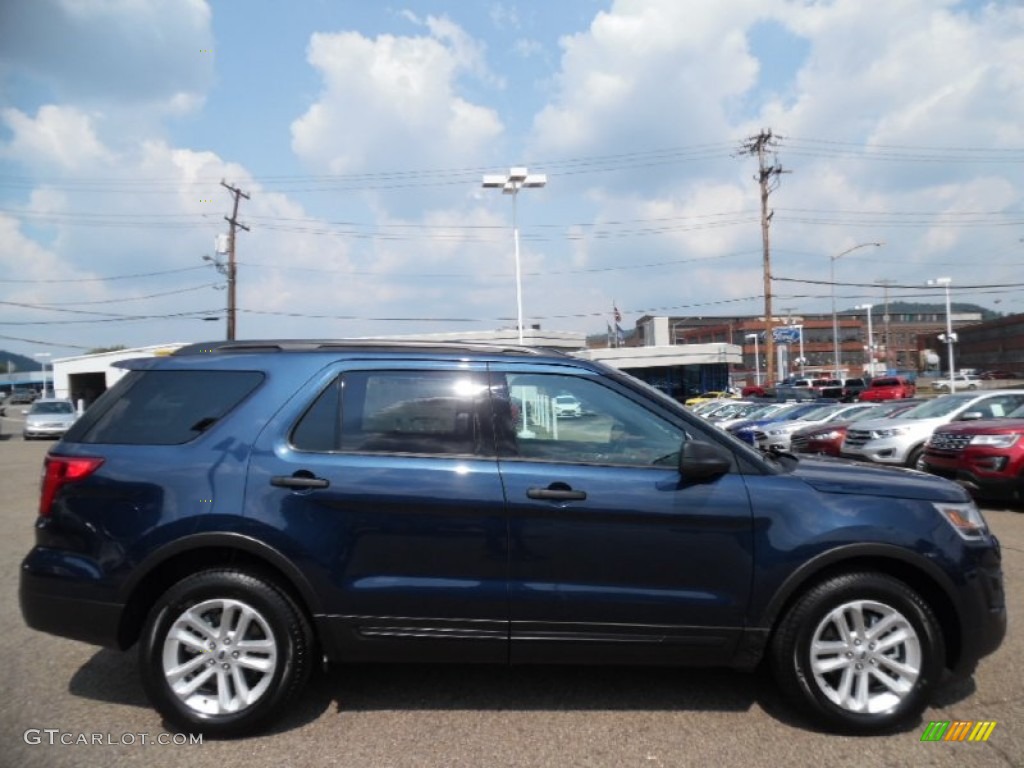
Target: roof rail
(327, 345)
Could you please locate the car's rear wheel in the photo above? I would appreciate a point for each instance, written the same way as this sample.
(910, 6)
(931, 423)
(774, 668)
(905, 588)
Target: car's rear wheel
(223, 652)
(860, 652)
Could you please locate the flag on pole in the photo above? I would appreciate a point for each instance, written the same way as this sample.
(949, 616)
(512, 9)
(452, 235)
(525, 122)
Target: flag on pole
(618, 315)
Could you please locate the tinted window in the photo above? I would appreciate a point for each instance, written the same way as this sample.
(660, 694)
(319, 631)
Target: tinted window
(163, 407)
(612, 430)
(422, 412)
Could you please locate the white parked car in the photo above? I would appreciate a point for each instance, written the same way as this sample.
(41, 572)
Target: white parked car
(900, 441)
(49, 417)
(962, 381)
(567, 407)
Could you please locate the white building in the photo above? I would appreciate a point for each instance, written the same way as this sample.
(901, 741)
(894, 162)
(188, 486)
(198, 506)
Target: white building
(86, 377)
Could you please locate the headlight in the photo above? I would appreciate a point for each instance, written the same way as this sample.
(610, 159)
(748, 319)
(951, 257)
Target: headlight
(996, 441)
(965, 518)
(778, 431)
(835, 434)
(893, 432)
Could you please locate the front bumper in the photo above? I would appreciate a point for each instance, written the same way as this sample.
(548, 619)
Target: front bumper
(982, 611)
(881, 451)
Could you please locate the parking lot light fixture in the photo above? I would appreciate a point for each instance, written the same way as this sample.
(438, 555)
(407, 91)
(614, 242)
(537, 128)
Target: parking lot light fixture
(757, 359)
(43, 355)
(832, 284)
(945, 283)
(510, 184)
(871, 339)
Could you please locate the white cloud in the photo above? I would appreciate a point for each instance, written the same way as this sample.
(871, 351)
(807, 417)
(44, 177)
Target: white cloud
(392, 102)
(58, 136)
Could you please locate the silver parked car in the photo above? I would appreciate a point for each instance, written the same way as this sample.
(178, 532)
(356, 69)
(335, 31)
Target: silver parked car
(49, 418)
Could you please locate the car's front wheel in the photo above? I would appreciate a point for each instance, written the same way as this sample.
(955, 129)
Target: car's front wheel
(223, 652)
(860, 652)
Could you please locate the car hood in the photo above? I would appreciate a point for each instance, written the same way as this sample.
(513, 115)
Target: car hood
(840, 476)
(868, 425)
(995, 426)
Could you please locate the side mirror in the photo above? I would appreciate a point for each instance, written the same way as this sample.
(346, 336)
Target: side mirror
(700, 461)
(971, 416)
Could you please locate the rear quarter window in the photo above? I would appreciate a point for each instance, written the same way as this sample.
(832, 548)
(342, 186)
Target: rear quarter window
(163, 407)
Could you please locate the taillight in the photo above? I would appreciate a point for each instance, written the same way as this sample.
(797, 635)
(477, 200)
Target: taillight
(59, 470)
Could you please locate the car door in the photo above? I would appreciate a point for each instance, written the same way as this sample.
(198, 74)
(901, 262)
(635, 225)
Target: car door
(613, 556)
(382, 483)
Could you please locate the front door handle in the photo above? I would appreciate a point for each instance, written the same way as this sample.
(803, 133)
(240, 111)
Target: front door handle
(556, 492)
(300, 481)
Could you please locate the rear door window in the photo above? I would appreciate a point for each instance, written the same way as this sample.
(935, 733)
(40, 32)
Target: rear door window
(408, 412)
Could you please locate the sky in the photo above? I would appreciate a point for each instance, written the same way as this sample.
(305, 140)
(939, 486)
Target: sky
(360, 132)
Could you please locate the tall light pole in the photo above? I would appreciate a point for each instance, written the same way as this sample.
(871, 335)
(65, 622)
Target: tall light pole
(832, 282)
(871, 339)
(43, 354)
(757, 359)
(950, 338)
(510, 184)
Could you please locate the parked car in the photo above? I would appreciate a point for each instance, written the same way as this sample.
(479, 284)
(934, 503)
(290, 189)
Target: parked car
(706, 396)
(246, 511)
(888, 388)
(992, 375)
(22, 397)
(900, 441)
(852, 389)
(962, 382)
(567, 406)
(749, 430)
(776, 435)
(50, 417)
(826, 439)
(986, 457)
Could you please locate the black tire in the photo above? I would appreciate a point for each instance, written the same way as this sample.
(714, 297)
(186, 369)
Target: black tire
(914, 457)
(275, 635)
(870, 596)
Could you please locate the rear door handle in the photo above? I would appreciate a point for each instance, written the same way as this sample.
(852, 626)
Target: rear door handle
(556, 492)
(303, 482)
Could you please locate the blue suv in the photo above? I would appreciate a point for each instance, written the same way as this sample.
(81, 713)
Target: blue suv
(241, 511)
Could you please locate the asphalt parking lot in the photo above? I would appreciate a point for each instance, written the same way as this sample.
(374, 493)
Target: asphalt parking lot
(462, 715)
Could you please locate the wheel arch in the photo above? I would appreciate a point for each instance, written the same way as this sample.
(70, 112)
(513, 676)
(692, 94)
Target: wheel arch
(201, 552)
(922, 576)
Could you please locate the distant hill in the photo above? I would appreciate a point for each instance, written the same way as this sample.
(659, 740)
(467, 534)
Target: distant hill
(18, 363)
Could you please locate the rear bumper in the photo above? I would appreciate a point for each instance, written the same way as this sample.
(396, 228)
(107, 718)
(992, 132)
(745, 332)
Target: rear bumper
(58, 606)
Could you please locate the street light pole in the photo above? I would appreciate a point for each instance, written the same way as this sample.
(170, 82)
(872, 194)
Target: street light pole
(871, 339)
(757, 359)
(835, 320)
(510, 184)
(945, 282)
(43, 354)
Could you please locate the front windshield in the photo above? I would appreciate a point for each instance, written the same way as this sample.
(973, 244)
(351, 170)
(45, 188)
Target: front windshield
(821, 413)
(940, 406)
(52, 408)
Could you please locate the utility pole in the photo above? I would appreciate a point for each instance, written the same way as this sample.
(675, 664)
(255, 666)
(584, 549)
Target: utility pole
(886, 338)
(768, 179)
(233, 221)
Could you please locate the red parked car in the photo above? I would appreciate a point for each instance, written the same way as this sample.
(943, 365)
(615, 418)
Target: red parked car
(827, 438)
(986, 457)
(889, 388)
